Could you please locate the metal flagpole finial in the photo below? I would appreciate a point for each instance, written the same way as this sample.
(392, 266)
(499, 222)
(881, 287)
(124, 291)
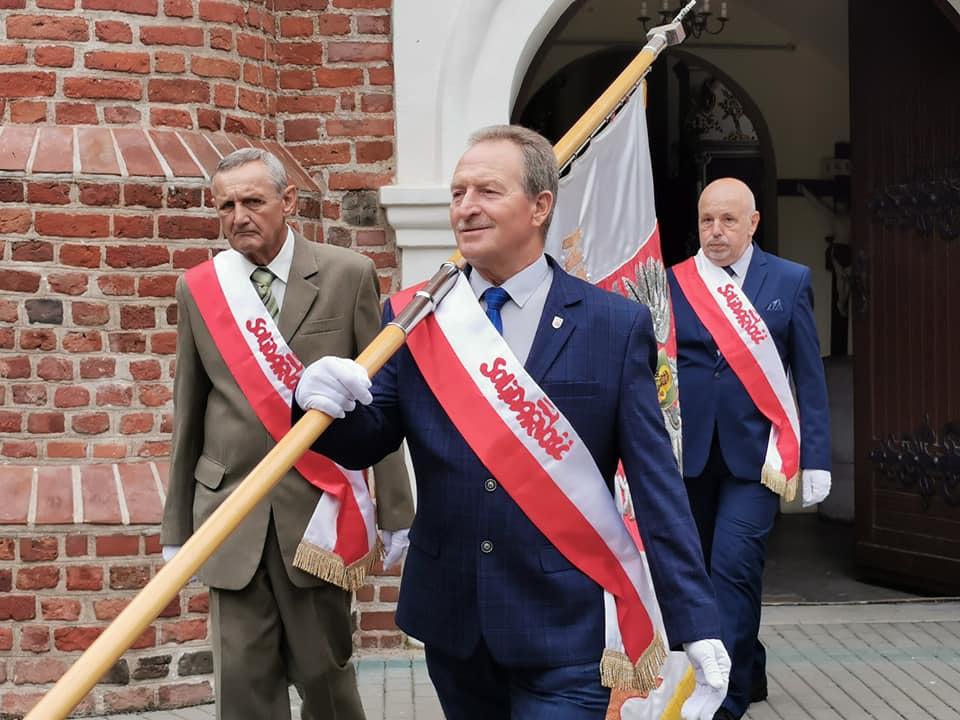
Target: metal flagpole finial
(672, 33)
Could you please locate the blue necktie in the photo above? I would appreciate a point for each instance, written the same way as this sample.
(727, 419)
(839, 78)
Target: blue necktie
(728, 269)
(495, 297)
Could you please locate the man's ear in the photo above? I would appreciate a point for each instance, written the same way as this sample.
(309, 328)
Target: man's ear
(289, 198)
(754, 221)
(542, 207)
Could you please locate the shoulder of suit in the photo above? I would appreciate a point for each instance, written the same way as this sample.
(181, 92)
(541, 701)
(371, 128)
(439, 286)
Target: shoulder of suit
(787, 267)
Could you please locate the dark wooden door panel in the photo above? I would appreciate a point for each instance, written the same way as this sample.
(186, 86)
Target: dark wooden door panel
(905, 136)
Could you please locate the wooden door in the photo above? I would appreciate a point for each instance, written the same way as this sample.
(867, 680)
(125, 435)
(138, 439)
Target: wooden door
(905, 233)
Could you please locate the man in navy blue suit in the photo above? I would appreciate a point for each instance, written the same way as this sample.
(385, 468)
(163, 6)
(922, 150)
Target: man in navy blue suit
(742, 428)
(513, 628)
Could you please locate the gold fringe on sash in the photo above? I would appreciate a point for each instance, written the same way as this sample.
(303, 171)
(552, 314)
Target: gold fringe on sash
(777, 481)
(616, 670)
(328, 566)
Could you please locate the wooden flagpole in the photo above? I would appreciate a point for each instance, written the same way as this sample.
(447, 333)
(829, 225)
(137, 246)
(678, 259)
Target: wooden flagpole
(157, 594)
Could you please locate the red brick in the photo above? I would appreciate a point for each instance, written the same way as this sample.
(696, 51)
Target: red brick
(199, 603)
(215, 67)
(376, 103)
(359, 181)
(45, 422)
(14, 367)
(6, 580)
(60, 609)
(110, 451)
(113, 31)
(155, 395)
(139, 7)
(183, 631)
(146, 195)
(38, 340)
(38, 672)
(132, 699)
(56, 4)
(14, 222)
(304, 53)
(221, 12)
(190, 257)
(187, 227)
(128, 62)
(380, 75)
(54, 56)
(29, 394)
(75, 638)
(18, 607)
(38, 549)
(26, 113)
(114, 284)
(121, 115)
(136, 423)
(102, 89)
(76, 114)
(35, 638)
(253, 101)
(363, 4)
(377, 620)
(373, 24)
(365, 593)
(84, 577)
(87, 256)
(166, 62)
(360, 52)
(128, 342)
(141, 370)
(12, 54)
(61, 450)
(132, 226)
(242, 126)
(157, 286)
(49, 193)
(302, 103)
(45, 27)
(169, 117)
(99, 193)
(68, 283)
(90, 424)
(131, 577)
(8, 544)
(76, 546)
(83, 342)
(72, 225)
(138, 256)
(117, 545)
(298, 26)
(33, 251)
(86, 313)
(54, 369)
(19, 449)
(11, 191)
(27, 84)
(151, 543)
(109, 609)
(251, 46)
(360, 127)
(171, 35)
(374, 151)
(38, 578)
(6, 639)
(331, 25)
(175, 696)
(221, 39)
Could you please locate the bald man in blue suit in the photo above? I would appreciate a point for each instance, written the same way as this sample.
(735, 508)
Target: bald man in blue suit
(725, 435)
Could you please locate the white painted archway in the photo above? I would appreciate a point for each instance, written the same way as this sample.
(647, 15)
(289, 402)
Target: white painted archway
(458, 66)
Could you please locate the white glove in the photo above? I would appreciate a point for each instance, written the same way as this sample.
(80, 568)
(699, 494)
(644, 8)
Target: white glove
(816, 486)
(333, 385)
(711, 666)
(396, 542)
(168, 551)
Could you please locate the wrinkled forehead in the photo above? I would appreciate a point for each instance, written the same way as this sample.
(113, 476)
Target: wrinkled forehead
(489, 159)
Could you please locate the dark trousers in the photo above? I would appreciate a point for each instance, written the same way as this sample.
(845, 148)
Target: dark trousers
(272, 634)
(478, 688)
(734, 517)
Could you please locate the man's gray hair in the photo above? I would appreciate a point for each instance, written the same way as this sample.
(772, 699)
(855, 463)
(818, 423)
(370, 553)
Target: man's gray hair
(245, 156)
(539, 161)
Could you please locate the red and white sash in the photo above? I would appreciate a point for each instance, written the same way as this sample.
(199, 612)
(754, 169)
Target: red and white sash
(744, 339)
(540, 460)
(340, 543)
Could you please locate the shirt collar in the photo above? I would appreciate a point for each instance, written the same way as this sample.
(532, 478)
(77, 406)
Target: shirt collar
(742, 263)
(281, 264)
(521, 286)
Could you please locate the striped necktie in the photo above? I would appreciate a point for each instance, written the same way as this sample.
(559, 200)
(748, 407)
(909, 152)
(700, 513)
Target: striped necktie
(262, 280)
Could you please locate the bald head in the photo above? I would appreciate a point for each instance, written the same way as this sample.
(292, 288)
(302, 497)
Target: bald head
(728, 218)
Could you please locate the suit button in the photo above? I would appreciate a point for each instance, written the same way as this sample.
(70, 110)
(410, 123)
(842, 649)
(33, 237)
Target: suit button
(490, 485)
(486, 547)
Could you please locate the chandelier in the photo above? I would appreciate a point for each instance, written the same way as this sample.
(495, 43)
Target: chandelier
(696, 23)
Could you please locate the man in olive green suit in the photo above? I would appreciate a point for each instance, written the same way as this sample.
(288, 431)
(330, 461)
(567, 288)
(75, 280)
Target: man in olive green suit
(272, 624)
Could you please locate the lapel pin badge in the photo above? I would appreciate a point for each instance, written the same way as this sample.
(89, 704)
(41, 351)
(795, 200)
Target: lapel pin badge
(557, 322)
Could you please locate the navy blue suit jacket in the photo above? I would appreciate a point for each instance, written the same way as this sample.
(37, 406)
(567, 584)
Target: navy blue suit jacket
(531, 605)
(712, 396)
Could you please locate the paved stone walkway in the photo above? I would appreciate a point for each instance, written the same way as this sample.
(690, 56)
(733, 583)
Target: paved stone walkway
(886, 661)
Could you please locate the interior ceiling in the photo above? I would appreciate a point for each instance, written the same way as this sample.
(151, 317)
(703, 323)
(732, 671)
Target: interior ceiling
(817, 24)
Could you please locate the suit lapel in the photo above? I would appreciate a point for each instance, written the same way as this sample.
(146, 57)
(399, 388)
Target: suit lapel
(301, 292)
(756, 274)
(561, 313)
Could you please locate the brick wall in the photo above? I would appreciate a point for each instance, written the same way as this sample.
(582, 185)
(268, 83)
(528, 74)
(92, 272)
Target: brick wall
(112, 115)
